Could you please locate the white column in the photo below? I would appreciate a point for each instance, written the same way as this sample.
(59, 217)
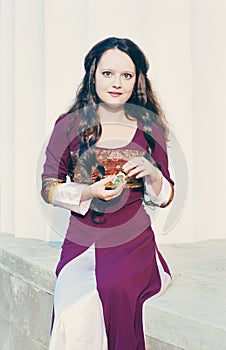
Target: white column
(209, 121)
(166, 30)
(66, 26)
(29, 114)
(7, 156)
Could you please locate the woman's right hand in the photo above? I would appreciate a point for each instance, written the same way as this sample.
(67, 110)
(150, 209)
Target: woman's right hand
(98, 190)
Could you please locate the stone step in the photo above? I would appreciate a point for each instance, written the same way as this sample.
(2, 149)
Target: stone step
(190, 315)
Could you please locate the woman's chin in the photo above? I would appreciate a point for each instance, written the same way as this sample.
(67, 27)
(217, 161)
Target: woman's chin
(113, 105)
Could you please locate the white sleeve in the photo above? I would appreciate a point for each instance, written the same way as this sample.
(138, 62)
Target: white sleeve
(68, 196)
(163, 196)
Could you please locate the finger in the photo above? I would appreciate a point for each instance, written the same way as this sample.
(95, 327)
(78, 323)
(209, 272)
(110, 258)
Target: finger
(136, 171)
(142, 174)
(155, 174)
(129, 165)
(119, 188)
(138, 161)
(106, 179)
(114, 192)
(98, 188)
(111, 194)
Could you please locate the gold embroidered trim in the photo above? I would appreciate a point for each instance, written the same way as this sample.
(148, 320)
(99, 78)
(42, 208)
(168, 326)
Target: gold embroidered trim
(170, 197)
(48, 187)
(112, 160)
(50, 196)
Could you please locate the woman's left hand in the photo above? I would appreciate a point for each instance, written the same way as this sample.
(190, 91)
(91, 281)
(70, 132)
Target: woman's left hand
(140, 167)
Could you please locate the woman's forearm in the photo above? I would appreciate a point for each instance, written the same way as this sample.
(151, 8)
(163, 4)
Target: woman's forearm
(156, 183)
(156, 186)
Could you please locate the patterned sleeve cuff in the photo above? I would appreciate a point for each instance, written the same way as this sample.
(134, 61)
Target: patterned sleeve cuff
(68, 196)
(48, 186)
(164, 197)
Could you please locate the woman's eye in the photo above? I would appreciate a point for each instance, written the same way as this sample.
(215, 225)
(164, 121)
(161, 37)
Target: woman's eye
(106, 73)
(127, 75)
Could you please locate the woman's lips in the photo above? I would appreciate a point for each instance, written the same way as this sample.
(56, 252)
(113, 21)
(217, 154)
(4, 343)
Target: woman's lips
(115, 94)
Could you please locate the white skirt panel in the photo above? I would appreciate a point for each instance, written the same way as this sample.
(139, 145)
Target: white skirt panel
(79, 321)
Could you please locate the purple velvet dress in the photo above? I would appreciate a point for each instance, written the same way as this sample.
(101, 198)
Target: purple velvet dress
(127, 267)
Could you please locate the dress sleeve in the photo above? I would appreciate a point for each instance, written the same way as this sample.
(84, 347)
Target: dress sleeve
(160, 157)
(162, 198)
(68, 196)
(57, 166)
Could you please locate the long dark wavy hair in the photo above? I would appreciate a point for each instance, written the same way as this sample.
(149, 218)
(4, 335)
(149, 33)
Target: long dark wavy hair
(142, 105)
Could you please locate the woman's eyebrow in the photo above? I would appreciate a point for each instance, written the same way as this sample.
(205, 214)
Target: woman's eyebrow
(125, 70)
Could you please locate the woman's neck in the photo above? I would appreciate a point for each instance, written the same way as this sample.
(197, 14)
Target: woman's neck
(111, 114)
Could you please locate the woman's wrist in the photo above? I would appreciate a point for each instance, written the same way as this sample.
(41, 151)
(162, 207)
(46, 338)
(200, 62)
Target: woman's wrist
(155, 176)
(87, 193)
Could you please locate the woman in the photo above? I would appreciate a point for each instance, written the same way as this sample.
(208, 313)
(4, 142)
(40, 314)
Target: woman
(112, 146)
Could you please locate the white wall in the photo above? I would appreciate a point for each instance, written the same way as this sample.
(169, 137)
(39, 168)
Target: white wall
(209, 117)
(7, 136)
(43, 44)
(29, 113)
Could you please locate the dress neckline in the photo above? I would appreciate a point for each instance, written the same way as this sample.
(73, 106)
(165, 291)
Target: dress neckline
(122, 147)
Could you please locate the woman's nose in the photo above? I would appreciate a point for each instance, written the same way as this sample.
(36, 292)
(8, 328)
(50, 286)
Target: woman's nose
(116, 82)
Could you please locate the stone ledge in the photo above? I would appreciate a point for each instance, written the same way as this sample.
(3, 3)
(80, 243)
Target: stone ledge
(190, 315)
(29, 259)
(26, 287)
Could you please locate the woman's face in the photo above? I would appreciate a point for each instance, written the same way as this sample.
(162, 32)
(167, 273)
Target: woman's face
(115, 77)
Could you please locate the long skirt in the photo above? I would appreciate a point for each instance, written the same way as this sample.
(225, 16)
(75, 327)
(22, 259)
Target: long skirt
(100, 292)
